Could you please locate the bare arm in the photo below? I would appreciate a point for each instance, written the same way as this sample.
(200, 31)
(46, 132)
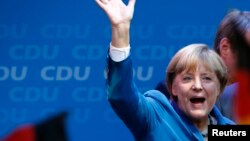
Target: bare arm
(120, 16)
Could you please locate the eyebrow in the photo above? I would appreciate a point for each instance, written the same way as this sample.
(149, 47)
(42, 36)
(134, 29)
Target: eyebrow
(203, 73)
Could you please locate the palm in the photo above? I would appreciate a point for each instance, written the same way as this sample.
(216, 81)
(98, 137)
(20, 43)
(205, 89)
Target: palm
(117, 11)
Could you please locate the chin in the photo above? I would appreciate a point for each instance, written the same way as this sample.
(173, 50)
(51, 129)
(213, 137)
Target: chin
(199, 114)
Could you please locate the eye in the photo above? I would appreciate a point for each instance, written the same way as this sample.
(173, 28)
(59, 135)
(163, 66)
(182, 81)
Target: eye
(187, 78)
(207, 78)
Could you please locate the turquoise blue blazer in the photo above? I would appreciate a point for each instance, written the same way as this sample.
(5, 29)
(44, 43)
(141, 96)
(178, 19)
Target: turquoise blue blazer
(149, 116)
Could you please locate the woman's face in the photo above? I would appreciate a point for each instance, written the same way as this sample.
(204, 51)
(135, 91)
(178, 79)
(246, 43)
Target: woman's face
(197, 92)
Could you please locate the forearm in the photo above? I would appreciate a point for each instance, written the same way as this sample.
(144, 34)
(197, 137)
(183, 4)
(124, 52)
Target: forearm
(120, 80)
(124, 97)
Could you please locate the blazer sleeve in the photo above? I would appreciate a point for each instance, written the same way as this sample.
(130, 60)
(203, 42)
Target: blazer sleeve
(136, 110)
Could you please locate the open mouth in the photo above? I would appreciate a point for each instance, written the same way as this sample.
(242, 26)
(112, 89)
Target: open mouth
(197, 100)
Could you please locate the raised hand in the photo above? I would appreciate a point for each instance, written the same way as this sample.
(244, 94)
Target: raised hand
(117, 11)
(120, 16)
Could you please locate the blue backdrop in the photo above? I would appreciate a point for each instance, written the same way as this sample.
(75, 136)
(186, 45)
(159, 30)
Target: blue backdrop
(52, 57)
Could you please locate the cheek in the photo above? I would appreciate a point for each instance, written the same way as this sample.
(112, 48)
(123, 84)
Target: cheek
(213, 89)
(248, 37)
(179, 89)
(233, 60)
(174, 89)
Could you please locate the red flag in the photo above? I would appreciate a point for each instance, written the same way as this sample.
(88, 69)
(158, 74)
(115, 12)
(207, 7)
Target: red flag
(242, 102)
(23, 133)
(52, 129)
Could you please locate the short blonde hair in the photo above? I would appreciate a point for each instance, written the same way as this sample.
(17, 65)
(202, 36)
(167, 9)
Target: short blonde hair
(188, 59)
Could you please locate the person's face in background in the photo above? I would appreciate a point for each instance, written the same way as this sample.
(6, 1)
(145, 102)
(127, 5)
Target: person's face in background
(196, 91)
(230, 59)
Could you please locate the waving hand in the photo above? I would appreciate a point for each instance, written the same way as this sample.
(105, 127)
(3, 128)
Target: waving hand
(117, 11)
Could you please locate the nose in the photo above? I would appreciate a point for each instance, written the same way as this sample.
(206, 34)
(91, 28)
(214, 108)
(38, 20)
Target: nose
(197, 84)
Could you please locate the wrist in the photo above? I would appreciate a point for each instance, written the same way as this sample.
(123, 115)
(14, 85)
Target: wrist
(120, 35)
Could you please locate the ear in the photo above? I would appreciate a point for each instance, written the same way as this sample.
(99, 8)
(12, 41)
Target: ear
(225, 47)
(173, 89)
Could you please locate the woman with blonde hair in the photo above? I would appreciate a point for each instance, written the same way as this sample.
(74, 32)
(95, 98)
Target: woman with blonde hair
(196, 76)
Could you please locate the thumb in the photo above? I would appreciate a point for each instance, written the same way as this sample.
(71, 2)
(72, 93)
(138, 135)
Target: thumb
(131, 4)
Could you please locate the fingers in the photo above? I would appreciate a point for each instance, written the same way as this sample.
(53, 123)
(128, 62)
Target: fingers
(101, 3)
(131, 3)
(104, 1)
